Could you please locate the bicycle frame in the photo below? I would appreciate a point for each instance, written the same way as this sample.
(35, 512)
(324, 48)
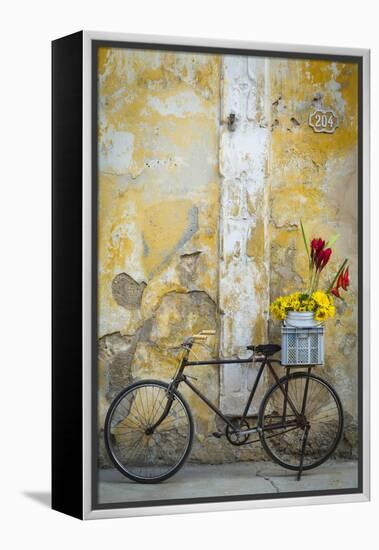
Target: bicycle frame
(264, 360)
(275, 420)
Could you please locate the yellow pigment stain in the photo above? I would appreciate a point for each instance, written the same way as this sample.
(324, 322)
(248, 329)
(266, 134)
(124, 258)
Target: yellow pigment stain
(102, 59)
(164, 227)
(255, 243)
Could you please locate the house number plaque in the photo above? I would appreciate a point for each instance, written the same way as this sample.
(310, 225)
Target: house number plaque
(323, 121)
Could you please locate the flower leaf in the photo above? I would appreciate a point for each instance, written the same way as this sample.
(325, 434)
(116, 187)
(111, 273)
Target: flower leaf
(332, 240)
(305, 240)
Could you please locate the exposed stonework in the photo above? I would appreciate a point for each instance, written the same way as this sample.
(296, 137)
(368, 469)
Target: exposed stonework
(126, 291)
(188, 267)
(115, 357)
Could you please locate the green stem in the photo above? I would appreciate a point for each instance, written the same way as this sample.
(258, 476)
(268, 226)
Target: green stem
(310, 270)
(312, 281)
(317, 281)
(305, 240)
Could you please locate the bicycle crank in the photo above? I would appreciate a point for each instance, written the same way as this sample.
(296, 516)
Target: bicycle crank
(238, 436)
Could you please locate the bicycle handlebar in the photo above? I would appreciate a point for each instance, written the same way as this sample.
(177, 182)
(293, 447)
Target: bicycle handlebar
(203, 335)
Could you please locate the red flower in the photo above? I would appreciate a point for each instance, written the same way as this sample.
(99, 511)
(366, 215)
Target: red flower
(335, 292)
(323, 258)
(316, 246)
(319, 255)
(342, 282)
(345, 279)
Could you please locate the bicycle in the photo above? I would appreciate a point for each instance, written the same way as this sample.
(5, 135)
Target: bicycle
(149, 426)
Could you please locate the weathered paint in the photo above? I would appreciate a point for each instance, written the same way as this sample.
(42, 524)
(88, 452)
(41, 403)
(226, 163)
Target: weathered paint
(314, 177)
(244, 271)
(158, 216)
(158, 143)
(199, 224)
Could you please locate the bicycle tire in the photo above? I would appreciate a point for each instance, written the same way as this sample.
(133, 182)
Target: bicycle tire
(109, 437)
(267, 440)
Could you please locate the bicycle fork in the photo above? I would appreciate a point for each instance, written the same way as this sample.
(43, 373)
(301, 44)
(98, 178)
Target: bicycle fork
(170, 396)
(306, 429)
(303, 445)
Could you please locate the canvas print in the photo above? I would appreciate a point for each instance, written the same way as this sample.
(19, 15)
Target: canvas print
(228, 279)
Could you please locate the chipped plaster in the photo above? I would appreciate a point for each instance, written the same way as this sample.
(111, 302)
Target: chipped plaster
(201, 222)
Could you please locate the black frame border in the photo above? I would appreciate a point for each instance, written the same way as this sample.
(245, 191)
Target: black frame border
(355, 59)
(67, 270)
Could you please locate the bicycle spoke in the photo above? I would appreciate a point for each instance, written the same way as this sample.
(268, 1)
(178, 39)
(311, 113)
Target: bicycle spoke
(152, 418)
(322, 415)
(142, 454)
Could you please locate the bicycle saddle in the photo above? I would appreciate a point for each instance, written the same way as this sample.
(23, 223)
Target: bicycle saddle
(266, 349)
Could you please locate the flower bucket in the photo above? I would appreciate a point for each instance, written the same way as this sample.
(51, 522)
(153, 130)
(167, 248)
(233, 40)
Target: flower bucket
(301, 319)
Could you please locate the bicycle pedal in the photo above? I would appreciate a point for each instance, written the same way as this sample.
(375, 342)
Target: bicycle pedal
(217, 434)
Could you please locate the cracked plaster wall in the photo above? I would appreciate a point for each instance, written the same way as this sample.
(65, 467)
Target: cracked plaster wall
(159, 215)
(314, 177)
(158, 218)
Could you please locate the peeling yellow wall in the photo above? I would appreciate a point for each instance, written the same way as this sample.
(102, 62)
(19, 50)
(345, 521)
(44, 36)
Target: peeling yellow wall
(159, 214)
(313, 176)
(158, 186)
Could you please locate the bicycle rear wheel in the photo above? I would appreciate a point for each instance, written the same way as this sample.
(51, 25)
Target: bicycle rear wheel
(283, 431)
(138, 453)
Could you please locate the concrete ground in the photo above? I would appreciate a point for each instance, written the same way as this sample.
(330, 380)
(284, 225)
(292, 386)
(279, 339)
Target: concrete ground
(242, 478)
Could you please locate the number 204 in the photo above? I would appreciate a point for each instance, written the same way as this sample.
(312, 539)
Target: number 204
(323, 121)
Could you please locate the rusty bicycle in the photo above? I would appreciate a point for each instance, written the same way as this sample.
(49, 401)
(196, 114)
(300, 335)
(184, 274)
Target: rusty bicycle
(149, 427)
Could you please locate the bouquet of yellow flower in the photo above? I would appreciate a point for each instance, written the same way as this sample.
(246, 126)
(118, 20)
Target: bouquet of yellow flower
(319, 302)
(314, 300)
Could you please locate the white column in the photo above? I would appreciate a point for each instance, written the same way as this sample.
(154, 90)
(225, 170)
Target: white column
(244, 252)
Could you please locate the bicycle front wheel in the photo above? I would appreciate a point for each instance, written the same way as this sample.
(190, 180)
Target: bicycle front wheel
(140, 453)
(318, 418)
